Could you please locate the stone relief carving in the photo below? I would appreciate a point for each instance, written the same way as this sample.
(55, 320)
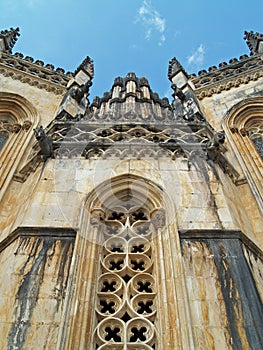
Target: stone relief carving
(158, 218)
(97, 216)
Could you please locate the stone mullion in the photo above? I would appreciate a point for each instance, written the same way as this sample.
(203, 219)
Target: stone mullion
(248, 148)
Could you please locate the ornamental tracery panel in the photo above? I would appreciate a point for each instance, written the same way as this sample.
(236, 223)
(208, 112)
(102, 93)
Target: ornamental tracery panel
(255, 134)
(126, 291)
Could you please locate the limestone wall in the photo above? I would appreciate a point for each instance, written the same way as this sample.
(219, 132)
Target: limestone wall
(222, 285)
(34, 275)
(46, 103)
(216, 106)
(54, 195)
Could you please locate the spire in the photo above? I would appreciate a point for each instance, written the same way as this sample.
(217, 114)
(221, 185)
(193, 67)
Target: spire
(254, 42)
(8, 39)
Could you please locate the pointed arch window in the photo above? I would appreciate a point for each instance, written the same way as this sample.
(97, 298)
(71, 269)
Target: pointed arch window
(243, 125)
(121, 294)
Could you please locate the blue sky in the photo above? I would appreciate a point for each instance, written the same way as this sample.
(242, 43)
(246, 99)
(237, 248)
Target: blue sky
(132, 35)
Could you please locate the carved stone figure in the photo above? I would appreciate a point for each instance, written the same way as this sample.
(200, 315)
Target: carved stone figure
(213, 145)
(97, 216)
(158, 218)
(78, 92)
(45, 142)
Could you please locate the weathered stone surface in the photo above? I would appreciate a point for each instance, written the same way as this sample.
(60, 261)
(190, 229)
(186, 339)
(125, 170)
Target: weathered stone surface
(137, 187)
(33, 290)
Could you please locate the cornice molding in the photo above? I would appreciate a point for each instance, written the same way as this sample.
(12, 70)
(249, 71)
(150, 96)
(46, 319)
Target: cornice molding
(34, 73)
(30, 231)
(228, 83)
(32, 80)
(196, 234)
(227, 75)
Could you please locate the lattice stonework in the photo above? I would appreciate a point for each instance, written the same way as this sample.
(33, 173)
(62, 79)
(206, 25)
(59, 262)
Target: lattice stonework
(256, 135)
(126, 286)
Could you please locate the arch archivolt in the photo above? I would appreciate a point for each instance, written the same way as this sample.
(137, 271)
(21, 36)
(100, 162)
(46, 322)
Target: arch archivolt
(239, 124)
(127, 272)
(18, 117)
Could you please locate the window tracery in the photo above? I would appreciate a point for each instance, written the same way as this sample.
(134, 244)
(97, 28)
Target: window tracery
(3, 138)
(126, 289)
(255, 134)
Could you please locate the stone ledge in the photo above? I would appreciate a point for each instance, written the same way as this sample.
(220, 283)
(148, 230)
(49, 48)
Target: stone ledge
(221, 234)
(52, 232)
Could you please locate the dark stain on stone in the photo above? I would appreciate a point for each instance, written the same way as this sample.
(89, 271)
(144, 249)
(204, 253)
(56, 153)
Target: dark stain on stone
(63, 270)
(242, 301)
(28, 291)
(27, 294)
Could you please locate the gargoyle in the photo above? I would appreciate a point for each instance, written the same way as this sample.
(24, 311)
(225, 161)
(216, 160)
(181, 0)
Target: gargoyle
(45, 142)
(213, 145)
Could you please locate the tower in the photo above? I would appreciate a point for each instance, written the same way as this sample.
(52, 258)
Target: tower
(130, 222)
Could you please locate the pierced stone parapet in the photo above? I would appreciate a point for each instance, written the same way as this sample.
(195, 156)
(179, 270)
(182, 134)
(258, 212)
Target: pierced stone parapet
(34, 73)
(227, 76)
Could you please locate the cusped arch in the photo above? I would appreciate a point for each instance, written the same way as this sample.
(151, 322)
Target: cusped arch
(127, 187)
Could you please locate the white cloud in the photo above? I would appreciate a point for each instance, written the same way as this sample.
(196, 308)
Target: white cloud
(197, 58)
(152, 21)
(33, 3)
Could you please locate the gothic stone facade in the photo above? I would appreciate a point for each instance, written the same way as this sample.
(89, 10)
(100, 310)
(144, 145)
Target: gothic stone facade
(131, 222)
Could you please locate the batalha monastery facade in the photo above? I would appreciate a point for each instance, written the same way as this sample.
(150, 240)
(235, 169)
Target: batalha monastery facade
(131, 222)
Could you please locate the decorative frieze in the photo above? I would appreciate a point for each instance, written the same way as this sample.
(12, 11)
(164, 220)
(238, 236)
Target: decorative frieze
(227, 77)
(34, 73)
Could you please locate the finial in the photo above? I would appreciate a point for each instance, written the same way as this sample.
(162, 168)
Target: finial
(87, 66)
(8, 39)
(254, 42)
